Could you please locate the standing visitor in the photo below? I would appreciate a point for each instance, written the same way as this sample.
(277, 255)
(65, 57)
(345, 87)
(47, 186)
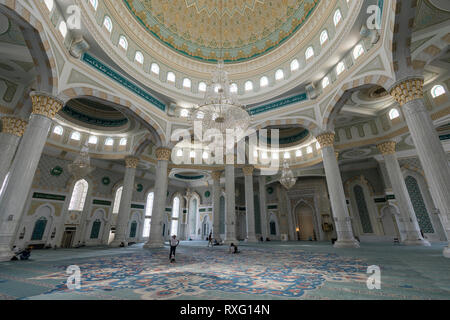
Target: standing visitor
(174, 242)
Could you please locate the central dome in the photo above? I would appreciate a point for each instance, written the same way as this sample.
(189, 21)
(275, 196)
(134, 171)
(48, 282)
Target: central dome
(251, 28)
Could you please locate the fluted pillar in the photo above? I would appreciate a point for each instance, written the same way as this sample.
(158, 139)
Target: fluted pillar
(23, 168)
(409, 94)
(12, 130)
(123, 218)
(345, 238)
(156, 239)
(249, 203)
(216, 204)
(263, 206)
(230, 214)
(409, 219)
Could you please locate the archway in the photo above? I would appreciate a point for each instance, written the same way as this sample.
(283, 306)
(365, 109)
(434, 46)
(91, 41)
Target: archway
(305, 222)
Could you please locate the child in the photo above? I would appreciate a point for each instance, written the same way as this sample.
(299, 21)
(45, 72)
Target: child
(173, 246)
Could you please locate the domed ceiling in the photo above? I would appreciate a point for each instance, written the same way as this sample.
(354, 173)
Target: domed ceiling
(251, 28)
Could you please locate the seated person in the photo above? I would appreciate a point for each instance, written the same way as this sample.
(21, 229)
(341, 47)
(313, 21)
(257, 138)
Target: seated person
(24, 254)
(233, 248)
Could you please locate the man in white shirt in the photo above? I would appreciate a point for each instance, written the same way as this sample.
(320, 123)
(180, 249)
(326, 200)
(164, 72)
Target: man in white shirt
(174, 242)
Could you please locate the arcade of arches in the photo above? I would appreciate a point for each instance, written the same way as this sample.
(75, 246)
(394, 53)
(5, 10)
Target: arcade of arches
(362, 112)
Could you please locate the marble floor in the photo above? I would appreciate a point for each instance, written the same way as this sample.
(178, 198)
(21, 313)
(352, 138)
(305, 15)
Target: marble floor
(275, 270)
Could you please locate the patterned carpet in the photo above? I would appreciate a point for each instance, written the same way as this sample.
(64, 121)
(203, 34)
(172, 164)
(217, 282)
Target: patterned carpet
(263, 271)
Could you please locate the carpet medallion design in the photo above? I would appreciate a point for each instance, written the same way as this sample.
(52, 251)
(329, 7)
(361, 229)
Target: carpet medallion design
(203, 272)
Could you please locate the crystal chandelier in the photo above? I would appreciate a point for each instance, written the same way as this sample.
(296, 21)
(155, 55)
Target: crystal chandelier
(81, 166)
(287, 176)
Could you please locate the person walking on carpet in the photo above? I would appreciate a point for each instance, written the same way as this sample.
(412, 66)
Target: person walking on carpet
(210, 242)
(174, 242)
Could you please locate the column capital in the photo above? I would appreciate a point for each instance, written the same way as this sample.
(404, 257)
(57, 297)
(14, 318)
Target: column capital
(337, 155)
(248, 170)
(13, 126)
(407, 90)
(45, 104)
(387, 147)
(326, 139)
(216, 175)
(131, 162)
(163, 154)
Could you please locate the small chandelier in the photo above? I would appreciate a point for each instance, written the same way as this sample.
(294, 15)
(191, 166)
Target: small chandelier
(221, 109)
(81, 166)
(287, 176)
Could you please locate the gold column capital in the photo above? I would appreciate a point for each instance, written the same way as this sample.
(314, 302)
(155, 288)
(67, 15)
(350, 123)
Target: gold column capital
(407, 90)
(45, 104)
(387, 147)
(216, 175)
(131, 162)
(326, 139)
(248, 170)
(13, 126)
(163, 154)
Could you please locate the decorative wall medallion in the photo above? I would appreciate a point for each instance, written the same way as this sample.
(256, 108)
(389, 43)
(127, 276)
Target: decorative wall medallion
(106, 181)
(269, 190)
(207, 194)
(139, 187)
(56, 171)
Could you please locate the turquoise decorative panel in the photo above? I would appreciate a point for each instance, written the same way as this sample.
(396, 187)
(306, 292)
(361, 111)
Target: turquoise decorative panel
(419, 205)
(273, 228)
(95, 229)
(222, 214)
(133, 229)
(278, 104)
(39, 229)
(362, 209)
(257, 214)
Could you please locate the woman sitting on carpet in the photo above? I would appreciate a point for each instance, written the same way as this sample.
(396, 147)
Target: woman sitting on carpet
(233, 248)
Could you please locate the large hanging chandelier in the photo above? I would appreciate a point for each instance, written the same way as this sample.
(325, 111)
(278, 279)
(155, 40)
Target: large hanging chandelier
(81, 166)
(287, 177)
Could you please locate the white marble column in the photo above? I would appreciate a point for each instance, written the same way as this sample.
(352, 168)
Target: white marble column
(409, 219)
(230, 214)
(23, 168)
(123, 217)
(12, 130)
(156, 239)
(216, 204)
(345, 238)
(263, 206)
(409, 94)
(249, 203)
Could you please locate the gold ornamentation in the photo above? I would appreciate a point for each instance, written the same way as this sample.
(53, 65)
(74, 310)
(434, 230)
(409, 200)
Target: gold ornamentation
(131, 162)
(408, 90)
(216, 175)
(248, 170)
(326, 139)
(13, 126)
(163, 154)
(387, 147)
(45, 105)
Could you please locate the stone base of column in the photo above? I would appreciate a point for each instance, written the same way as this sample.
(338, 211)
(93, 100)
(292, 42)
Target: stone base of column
(446, 251)
(418, 242)
(346, 244)
(117, 243)
(154, 244)
(5, 254)
(251, 240)
(227, 242)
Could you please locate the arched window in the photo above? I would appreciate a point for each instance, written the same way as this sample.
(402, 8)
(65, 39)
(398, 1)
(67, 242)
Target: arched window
(94, 4)
(248, 86)
(264, 82)
(362, 209)
(75, 136)
(148, 214)
(154, 68)
(171, 76)
(298, 153)
(202, 87)
(117, 199)
(358, 51)
(123, 142)
(186, 83)
(49, 4)
(184, 113)
(340, 68)
(337, 17)
(394, 114)
(39, 229)
(309, 150)
(139, 57)
(233, 88)
(279, 75)
(58, 130)
(295, 65)
(437, 91)
(109, 142)
(175, 216)
(107, 23)
(123, 42)
(93, 140)
(309, 53)
(79, 195)
(63, 28)
(323, 37)
(325, 82)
